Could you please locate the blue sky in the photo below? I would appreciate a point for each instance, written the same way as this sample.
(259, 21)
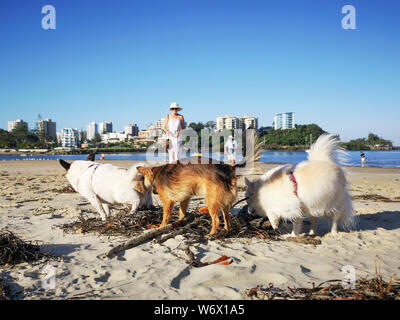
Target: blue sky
(126, 61)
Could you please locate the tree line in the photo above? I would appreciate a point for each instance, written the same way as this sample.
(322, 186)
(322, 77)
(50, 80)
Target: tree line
(298, 138)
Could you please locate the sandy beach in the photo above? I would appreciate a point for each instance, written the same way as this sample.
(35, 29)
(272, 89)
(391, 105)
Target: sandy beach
(31, 208)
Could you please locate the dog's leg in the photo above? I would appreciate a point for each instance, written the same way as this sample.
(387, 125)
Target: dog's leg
(313, 230)
(135, 206)
(297, 224)
(214, 209)
(334, 225)
(95, 202)
(227, 218)
(167, 207)
(182, 208)
(106, 209)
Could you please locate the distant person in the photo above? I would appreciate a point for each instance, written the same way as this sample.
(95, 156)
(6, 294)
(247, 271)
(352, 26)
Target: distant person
(103, 156)
(174, 124)
(230, 149)
(362, 155)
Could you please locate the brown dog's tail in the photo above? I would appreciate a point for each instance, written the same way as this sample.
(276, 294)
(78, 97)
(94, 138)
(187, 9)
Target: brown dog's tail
(252, 153)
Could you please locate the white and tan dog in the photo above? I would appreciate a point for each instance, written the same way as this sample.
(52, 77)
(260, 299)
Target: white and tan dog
(315, 188)
(105, 184)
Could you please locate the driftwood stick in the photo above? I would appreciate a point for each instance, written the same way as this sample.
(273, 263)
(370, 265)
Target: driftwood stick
(150, 234)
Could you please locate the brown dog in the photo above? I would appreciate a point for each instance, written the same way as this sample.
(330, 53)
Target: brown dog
(178, 182)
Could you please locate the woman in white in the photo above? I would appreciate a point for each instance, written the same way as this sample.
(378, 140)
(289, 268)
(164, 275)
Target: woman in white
(174, 124)
(230, 149)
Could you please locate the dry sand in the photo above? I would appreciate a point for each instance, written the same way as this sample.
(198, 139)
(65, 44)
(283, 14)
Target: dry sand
(30, 208)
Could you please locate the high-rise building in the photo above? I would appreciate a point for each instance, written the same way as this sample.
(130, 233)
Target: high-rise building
(284, 121)
(17, 124)
(105, 127)
(132, 129)
(248, 122)
(229, 122)
(69, 138)
(160, 123)
(48, 127)
(232, 123)
(91, 130)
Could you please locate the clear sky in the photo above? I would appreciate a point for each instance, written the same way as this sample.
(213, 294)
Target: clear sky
(126, 61)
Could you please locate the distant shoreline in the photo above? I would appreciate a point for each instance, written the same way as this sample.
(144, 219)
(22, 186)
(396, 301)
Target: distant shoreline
(43, 152)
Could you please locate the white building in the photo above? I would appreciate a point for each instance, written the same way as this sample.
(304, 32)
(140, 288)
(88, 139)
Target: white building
(132, 129)
(59, 137)
(284, 121)
(69, 138)
(16, 124)
(229, 122)
(114, 137)
(48, 127)
(153, 131)
(91, 130)
(160, 123)
(248, 122)
(105, 127)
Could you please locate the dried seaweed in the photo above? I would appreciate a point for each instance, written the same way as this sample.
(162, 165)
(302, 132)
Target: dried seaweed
(197, 225)
(67, 189)
(365, 289)
(375, 197)
(13, 250)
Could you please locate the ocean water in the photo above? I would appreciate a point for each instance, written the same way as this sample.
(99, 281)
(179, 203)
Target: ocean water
(384, 159)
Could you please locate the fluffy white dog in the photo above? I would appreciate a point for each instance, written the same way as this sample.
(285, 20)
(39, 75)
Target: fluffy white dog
(315, 188)
(105, 184)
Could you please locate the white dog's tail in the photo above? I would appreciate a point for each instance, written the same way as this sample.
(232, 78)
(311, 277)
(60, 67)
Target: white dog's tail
(133, 172)
(347, 218)
(326, 148)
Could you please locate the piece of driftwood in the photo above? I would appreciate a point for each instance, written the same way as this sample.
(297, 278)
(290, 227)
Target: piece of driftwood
(147, 235)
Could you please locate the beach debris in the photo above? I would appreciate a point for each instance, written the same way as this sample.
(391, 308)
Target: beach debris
(304, 239)
(196, 226)
(148, 235)
(61, 189)
(223, 260)
(365, 289)
(375, 197)
(14, 250)
(144, 225)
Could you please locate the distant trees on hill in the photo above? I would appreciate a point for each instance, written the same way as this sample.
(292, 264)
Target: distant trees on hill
(372, 142)
(20, 137)
(299, 136)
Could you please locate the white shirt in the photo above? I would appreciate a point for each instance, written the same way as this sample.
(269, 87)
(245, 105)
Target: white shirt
(231, 145)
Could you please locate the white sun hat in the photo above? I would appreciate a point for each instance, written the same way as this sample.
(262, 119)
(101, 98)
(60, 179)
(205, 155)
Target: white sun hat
(174, 105)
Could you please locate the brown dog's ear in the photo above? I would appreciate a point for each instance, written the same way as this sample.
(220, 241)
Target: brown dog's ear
(91, 156)
(65, 164)
(144, 170)
(140, 187)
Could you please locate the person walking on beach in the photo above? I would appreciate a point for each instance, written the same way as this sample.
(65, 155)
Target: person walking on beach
(362, 155)
(230, 149)
(173, 126)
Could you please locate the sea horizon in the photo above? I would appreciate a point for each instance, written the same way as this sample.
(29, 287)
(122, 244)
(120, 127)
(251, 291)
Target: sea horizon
(375, 158)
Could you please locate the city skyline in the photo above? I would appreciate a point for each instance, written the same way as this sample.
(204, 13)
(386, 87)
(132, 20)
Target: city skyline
(212, 58)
